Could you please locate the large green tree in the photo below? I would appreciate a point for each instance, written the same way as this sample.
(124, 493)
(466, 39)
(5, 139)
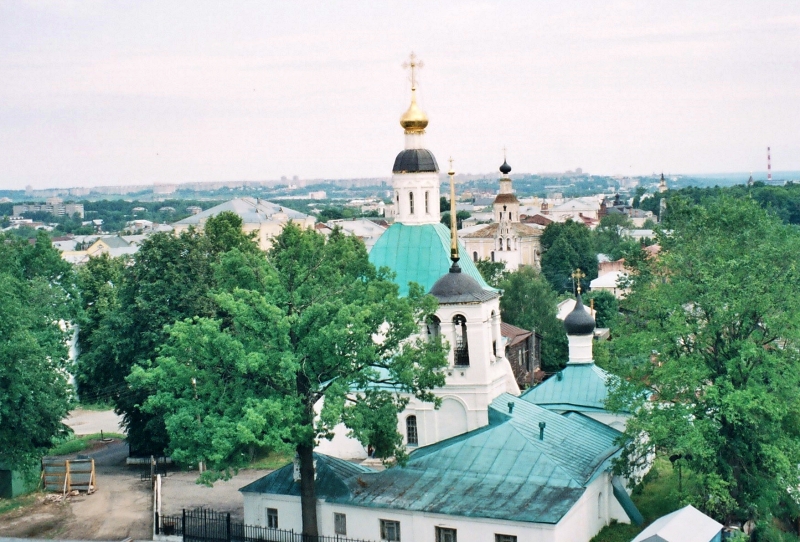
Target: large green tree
(310, 323)
(709, 357)
(170, 279)
(567, 246)
(39, 303)
(530, 303)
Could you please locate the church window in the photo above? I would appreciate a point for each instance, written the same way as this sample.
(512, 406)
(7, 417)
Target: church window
(504, 538)
(412, 438)
(509, 243)
(493, 255)
(474, 256)
(461, 351)
(444, 534)
(411, 202)
(390, 530)
(433, 326)
(600, 505)
(427, 197)
(501, 243)
(340, 523)
(398, 197)
(272, 518)
(501, 215)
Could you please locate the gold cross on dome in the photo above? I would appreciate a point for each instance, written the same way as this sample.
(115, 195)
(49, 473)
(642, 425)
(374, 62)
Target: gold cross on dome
(414, 64)
(577, 276)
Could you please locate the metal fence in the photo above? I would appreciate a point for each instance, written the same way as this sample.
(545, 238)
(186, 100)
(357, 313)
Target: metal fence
(203, 525)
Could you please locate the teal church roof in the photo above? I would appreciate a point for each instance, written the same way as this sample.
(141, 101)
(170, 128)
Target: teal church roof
(580, 386)
(420, 254)
(501, 471)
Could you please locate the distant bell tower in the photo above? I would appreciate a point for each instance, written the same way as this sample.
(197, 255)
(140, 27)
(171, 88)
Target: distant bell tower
(415, 175)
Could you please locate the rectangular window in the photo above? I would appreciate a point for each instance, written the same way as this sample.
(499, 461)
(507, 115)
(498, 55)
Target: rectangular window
(340, 523)
(272, 518)
(390, 530)
(505, 538)
(444, 534)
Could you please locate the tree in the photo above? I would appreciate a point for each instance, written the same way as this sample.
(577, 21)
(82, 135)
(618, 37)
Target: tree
(530, 303)
(606, 307)
(709, 357)
(38, 292)
(171, 278)
(608, 238)
(567, 246)
(492, 272)
(461, 216)
(310, 323)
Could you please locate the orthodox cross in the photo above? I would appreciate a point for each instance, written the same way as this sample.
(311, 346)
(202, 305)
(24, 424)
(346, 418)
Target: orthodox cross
(414, 64)
(453, 224)
(576, 277)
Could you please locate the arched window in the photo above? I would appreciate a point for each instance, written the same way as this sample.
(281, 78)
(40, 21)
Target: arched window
(412, 437)
(474, 256)
(600, 513)
(398, 198)
(461, 350)
(493, 255)
(411, 202)
(500, 244)
(433, 325)
(509, 243)
(427, 209)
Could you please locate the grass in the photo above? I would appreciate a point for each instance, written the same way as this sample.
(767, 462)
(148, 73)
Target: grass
(7, 505)
(271, 460)
(75, 444)
(656, 496)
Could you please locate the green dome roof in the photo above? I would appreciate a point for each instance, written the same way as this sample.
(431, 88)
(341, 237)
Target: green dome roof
(420, 254)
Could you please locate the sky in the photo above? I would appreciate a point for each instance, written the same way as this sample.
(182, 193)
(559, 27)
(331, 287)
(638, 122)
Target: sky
(140, 92)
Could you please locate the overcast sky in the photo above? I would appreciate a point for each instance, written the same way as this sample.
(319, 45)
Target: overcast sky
(121, 92)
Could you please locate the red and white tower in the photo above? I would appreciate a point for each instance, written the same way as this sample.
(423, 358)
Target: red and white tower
(769, 166)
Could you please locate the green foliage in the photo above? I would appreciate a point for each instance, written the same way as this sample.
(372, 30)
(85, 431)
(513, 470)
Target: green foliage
(461, 216)
(492, 272)
(293, 327)
(717, 309)
(170, 279)
(38, 292)
(568, 246)
(608, 236)
(530, 303)
(606, 307)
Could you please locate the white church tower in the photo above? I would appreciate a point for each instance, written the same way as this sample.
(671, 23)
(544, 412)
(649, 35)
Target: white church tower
(415, 175)
(468, 318)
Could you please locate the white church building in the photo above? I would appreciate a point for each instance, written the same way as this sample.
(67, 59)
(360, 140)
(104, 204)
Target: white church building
(489, 464)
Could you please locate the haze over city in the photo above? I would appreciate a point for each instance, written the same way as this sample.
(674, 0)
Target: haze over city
(150, 92)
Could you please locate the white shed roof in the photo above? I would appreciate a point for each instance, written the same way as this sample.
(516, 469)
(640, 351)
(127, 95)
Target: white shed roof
(685, 525)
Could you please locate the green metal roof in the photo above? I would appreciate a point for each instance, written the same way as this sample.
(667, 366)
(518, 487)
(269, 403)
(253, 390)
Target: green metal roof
(501, 471)
(420, 254)
(582, 386)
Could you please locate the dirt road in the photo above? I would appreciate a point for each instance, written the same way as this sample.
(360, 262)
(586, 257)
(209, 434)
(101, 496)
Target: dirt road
(121, 506)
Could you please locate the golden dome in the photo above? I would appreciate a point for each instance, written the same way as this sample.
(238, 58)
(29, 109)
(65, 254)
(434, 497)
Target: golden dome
(414, 120)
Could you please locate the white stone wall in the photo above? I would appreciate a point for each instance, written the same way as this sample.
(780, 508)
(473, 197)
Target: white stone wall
(595, 509)
(418, 184)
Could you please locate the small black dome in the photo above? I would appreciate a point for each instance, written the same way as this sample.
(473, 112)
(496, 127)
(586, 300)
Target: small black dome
(579, 321)
(415, 161)
(458, 287)
(505, 169)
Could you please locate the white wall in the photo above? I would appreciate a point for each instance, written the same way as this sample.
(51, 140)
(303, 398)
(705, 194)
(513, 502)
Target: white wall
(594, 510)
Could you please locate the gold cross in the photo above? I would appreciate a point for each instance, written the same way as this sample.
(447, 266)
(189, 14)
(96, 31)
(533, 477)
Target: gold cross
(413, 63)
(577, 276)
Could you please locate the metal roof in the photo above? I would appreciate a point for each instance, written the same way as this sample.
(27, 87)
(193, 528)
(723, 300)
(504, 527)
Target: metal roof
(685, 525)
(415, 161)
(581, 385)
(419, 254)
(501, 471)
(250, 210)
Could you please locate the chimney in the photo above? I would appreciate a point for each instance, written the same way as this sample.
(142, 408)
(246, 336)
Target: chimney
(510, 407)
(542, 425)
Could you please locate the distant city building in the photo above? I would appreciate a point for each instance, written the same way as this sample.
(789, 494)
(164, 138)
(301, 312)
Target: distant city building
(194, 209)
(319, 194)
(54, 206)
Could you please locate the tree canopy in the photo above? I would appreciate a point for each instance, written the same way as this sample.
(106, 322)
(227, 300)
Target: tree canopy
(530, 303)
(39, 302)
(708, 353)
(310, 323)
(567, 246)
